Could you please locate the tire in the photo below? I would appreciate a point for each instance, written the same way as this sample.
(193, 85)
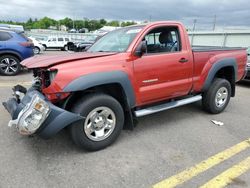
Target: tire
(65, 48)
(103, 104)
(217, 97)
(45, 47)
(9, 65)
(36, 50)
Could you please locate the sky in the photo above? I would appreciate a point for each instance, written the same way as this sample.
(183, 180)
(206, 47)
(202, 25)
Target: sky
(228, 13)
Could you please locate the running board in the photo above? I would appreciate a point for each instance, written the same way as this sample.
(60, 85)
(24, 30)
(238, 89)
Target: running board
(166, 106)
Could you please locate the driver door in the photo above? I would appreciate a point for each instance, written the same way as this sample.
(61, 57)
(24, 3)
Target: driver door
(162, 74)
(52, 42)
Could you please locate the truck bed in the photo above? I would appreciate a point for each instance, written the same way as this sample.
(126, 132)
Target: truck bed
(204, 54)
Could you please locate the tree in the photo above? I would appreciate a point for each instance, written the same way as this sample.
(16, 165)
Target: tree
(113, 23)
(67, 22)
(128, 23)
(103, 22)
(46, 22)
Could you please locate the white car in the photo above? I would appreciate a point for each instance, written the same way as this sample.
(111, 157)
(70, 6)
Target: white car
(38, 46)
(56, 43)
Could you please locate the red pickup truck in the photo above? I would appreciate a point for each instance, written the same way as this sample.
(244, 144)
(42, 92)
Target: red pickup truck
(128, 73)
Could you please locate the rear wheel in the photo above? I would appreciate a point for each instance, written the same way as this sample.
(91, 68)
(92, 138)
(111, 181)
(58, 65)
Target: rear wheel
(65, 48)
(9, 65)
(217, 97)
(104, 119)
(36, 50)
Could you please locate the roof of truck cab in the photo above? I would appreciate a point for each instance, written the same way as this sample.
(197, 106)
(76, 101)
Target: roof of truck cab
(156, 23)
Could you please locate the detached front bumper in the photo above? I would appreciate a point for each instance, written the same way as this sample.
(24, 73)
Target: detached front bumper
(34, 114)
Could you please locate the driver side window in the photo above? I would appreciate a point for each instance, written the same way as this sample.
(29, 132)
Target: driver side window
(163, 40)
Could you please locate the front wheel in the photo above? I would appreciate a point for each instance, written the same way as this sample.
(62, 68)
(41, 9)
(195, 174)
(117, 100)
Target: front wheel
(217, 97)
(104, 119)
(64, 48)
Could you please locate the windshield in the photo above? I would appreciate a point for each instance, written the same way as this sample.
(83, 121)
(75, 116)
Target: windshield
(116, 41)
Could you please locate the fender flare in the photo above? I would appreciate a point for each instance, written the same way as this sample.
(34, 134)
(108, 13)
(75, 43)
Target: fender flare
(102, 78)
(227, 62)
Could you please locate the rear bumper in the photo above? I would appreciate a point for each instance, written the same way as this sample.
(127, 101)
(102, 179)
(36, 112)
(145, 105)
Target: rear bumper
(56, 120)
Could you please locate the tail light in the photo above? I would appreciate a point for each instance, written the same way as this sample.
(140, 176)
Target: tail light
(28, 43)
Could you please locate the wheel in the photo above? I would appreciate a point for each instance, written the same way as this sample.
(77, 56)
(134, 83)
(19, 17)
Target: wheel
(65, 48)
(45, 47)
(36, 50)
(217, 97)
(104, 119)
(9, 65)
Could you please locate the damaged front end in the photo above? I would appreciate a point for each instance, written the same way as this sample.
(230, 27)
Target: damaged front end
(35, 114)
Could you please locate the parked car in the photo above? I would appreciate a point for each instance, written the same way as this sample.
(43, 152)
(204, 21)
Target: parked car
(72, 31)
(83, 45)
(83, 30)
(38, 46)
(129, 73)
(56, 43)
(14, 47)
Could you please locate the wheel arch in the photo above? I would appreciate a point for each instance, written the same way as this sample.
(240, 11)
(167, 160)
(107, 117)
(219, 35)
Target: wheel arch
(15, 54)
(37, 47)
(225, 68)
(114, 83)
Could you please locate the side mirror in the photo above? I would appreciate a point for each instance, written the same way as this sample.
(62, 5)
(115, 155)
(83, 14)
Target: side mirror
(141, 48)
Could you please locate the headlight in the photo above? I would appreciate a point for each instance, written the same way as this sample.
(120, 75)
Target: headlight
(33, 115)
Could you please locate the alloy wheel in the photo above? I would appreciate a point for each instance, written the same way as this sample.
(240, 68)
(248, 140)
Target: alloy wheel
(9, 65)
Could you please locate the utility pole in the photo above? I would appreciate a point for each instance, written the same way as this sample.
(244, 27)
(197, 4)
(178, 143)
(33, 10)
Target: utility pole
(214, 23)
(59, 25)
(194, 24)
(150, 18)
(74, 17)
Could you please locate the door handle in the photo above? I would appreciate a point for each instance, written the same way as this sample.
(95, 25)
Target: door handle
(183, 60)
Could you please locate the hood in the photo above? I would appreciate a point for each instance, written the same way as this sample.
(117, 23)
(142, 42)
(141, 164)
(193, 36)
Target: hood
(48, 61)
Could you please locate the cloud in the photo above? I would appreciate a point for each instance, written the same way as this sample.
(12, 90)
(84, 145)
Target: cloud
(228, 13)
